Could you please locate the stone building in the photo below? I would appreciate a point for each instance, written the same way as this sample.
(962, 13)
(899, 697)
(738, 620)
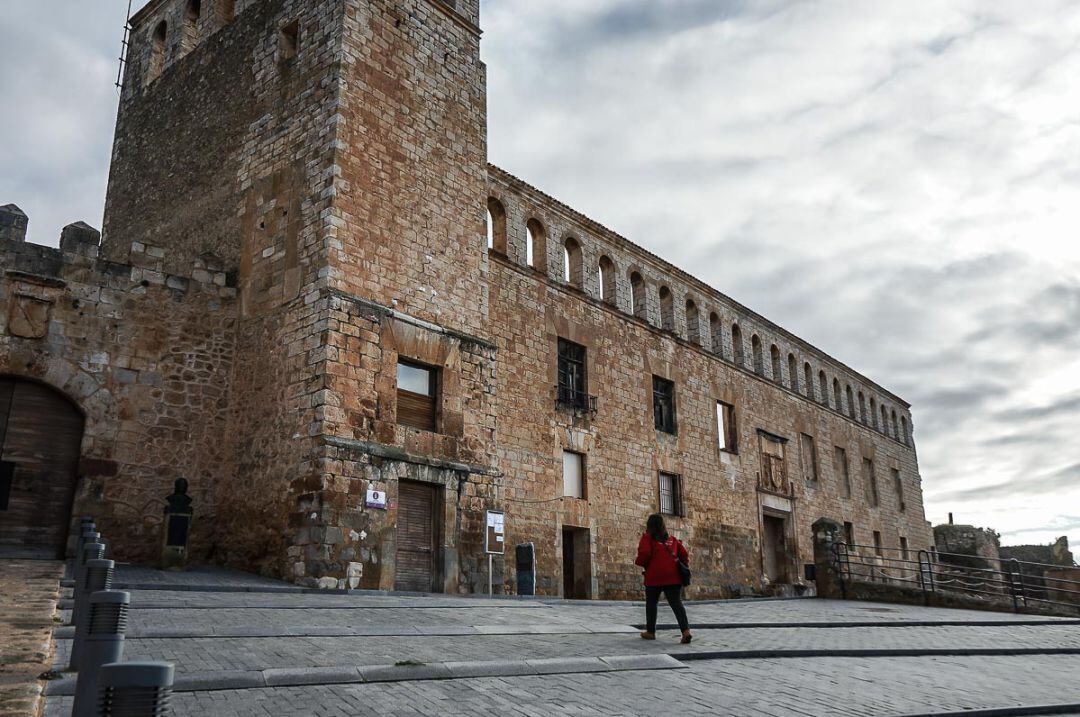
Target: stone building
(293, 305)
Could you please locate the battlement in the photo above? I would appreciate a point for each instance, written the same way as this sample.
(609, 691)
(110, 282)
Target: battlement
(536, 231)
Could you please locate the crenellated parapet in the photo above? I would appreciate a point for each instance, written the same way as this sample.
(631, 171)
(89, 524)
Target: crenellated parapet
(537, 232)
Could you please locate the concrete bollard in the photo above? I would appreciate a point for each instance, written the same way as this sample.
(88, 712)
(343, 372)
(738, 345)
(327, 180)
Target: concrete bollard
(98, 575)
(135, 689)
(85, 529)
(103, 643)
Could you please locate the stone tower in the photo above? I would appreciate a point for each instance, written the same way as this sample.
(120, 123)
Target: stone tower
(330, 157)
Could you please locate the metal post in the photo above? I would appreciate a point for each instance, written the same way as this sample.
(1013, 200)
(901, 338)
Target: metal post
(103, 643)
(85, 531)
(98, 575)
(491, 577)
(135, 689)
(92, 550)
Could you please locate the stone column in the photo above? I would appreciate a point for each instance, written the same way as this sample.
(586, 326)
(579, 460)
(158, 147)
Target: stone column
(827, 533)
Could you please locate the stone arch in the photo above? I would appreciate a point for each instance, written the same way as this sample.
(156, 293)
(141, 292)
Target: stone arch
(808, 380)
(605, 269)
(823, 388)
(535, 244)
(573, 272)
(639, 302)
(905, 436)
(667, 309)
(873, 413)
(157, 50)
(793, 372)
(716, 333)
(850, 401)
(227, 10)
(862, 408)
(777, 371)
(838, 400)
(895, 427)
(737, 348)
(496, 226)
(755, 351)
(693, 322)
(192, 13)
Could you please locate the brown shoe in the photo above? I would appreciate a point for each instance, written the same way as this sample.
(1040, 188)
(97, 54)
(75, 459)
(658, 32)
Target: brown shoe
(686, 637)
(646, 635)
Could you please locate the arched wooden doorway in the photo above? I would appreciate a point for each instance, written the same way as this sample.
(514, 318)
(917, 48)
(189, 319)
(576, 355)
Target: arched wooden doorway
(40, 439)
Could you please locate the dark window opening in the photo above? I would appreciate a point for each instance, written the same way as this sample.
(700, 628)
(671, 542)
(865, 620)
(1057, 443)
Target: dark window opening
(7, 479)
(871, 481)
(671, 494)
(898, 482)
(849, 533)
(903, 548)
(417, 392)
(877, 543)
(663, 404)
(573, 386)
(290, 40)
(840, 467)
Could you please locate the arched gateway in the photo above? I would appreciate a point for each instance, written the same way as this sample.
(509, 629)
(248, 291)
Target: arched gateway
(40, 438)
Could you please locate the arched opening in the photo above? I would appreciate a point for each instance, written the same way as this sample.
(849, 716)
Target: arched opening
(850, 402)
(496, 226)
(838, 400)
(40, 442)
(572, 272)
(606, 274)
(737, 348)
(873, 412)
(228, 10)
(759, 360)
(823, 388)
(905, 436)
(693, 328)
(894, 428)
(191, 24)
(157, 51)
(667, 309)
(716, 333)
(793, 372)
(884, 420)
(808, 380)
(637, 296)
(862, 407)
(777, 372)
(535, 245)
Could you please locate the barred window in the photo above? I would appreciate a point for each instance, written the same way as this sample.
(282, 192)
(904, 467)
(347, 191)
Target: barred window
(573, 388)
(671, 494)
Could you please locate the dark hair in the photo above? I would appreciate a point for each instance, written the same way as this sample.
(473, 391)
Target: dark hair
(655, 525)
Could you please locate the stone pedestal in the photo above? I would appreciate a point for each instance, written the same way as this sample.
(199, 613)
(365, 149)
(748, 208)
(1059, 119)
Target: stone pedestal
(826, 534)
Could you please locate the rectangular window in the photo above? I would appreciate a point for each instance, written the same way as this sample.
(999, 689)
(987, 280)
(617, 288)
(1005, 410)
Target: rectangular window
(849, 533)
(417, 391)
(871, 481)
(898, 482)
(877, 542)
(573, 474)
(663, 404)
(7, 478)
(671, 496)
(840, 467)
(572, 389)
(809, 457)
(725, 427)
(903, 548)
(290, 40)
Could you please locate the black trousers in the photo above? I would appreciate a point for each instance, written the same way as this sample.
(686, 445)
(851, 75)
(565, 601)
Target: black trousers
(673, 593)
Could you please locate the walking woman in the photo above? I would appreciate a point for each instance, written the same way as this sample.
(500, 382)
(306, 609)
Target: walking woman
(660, 554)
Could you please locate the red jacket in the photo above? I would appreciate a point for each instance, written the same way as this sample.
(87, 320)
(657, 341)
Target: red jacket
(656, 558)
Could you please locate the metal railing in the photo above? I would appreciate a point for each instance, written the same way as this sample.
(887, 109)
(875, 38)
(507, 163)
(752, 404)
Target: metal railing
(569, 397)
(1025, 585)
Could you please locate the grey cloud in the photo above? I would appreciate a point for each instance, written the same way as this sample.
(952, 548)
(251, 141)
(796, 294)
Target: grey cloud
(1064, 478)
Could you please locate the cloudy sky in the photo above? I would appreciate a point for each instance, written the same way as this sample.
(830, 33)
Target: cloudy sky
(898, 182)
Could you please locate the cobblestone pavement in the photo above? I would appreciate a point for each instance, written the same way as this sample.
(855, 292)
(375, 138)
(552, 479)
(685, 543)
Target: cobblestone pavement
(29, 590)
(500, 632)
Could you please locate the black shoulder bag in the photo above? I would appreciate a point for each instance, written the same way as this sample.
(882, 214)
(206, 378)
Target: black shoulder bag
(684, 569)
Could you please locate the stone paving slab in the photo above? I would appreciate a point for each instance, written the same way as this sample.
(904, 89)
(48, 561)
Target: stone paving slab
(755, 688)
(28, 597)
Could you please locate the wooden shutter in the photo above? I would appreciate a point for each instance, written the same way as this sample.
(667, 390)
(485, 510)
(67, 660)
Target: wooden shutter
(415, 565)
(416, 411)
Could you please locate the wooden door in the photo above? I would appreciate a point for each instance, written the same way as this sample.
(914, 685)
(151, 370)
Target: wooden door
(568, 564)
(416, 537)
(40, 442)
(774, 549)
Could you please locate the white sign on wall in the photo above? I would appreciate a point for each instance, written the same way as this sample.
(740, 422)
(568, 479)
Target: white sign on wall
(375, 499)
(495, 534)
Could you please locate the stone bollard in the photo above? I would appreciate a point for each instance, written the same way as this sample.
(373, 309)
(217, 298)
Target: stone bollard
(97, 576)
(135, 689)
(826, 535)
